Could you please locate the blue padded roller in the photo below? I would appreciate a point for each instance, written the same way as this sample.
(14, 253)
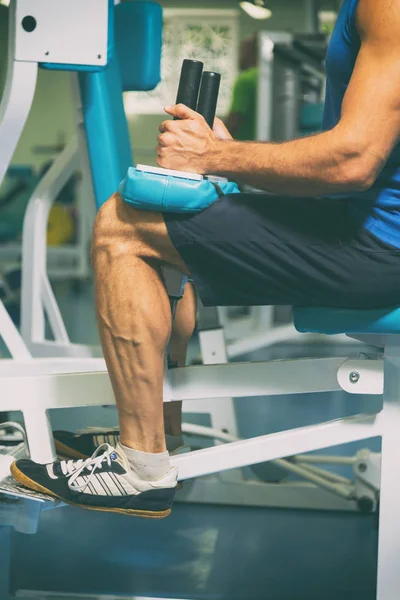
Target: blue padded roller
(341, 320)
(166, 193)
(89, 68)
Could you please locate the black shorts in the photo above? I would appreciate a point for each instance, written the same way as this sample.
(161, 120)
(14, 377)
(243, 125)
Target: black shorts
(257, 249)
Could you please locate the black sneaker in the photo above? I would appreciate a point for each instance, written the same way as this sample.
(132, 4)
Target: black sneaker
(103, 482)
(85, 443)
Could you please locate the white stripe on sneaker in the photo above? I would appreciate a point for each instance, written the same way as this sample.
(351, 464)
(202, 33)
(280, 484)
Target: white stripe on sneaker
(110, 482)
(50, 471)
(101, 486)
(118, 484)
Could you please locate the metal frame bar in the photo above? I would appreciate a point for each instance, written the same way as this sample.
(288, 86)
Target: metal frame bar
(37, 296)
(11, 336)
(17, 98)
(277, 445)
(34, 395)
(389, 523)
(277, 335)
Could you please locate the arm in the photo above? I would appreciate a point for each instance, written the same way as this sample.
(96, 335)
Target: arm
(347, 158)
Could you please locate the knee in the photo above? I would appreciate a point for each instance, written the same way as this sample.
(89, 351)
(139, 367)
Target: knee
(112, 233)
(105, 230)
(120, 229)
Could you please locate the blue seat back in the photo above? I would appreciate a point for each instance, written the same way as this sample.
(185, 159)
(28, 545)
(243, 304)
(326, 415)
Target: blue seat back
(331, 321)
(138, 41)
(138, 28)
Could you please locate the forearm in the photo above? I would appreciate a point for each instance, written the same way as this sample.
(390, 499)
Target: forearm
(314, 166)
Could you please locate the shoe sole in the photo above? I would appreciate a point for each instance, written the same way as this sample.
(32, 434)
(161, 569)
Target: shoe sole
(33, 485)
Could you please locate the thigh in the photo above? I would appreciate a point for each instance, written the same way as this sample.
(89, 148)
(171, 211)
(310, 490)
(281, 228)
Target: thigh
(256, 249)
(265, 218)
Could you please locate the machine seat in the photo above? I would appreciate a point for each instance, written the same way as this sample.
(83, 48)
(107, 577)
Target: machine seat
(330, 321)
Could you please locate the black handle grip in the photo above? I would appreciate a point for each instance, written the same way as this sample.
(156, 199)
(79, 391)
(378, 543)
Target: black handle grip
(189, 83)
(208, 98)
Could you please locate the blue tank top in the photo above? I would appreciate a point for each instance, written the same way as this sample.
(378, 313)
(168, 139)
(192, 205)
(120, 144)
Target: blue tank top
(378, 209)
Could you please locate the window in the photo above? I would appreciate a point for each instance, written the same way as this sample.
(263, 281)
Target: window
(207, 35)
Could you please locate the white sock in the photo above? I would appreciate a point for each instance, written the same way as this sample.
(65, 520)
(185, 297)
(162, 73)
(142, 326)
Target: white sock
(147, 466)
(174, 442)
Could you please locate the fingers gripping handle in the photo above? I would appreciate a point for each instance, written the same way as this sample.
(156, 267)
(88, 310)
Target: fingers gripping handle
(192, 81)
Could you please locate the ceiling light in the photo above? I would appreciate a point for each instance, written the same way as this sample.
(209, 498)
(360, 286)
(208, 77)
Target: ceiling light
(5, 2)
(256, 9)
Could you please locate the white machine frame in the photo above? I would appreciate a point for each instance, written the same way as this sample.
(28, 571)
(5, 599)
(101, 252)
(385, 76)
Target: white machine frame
(37, 298)
(35, 394)
(14, 111)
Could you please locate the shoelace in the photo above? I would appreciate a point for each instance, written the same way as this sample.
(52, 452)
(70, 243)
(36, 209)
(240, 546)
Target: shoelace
(75, 467)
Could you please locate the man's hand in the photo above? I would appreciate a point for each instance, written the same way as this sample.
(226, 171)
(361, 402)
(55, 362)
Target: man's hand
(187, 144)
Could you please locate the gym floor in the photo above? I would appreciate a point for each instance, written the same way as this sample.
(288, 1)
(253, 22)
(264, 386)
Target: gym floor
(199, 552)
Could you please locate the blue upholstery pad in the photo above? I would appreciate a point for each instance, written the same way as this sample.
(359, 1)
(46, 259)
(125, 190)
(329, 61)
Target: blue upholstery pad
(106, 130)
(89, 68)
(342, 320)
(166, 193)
(138, 42)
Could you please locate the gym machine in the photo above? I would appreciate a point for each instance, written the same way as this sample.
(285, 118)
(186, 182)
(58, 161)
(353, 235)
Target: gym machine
(375, 373)
(291, 74)
(320, 489)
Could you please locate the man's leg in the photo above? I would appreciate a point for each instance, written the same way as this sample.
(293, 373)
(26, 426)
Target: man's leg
(84, 444)
(266, 244)
(182, 330)
(134, 317)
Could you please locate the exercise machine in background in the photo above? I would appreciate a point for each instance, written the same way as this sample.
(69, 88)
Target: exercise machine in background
(290, 98)
(68, 230)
